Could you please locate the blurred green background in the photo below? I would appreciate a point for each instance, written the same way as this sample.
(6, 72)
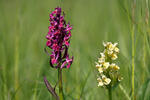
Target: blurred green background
(23, 62)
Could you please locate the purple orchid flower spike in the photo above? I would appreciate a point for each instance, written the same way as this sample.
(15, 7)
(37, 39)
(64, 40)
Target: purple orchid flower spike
(58, 39)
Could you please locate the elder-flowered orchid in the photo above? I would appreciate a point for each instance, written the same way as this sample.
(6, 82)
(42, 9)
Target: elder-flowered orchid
(108, 71)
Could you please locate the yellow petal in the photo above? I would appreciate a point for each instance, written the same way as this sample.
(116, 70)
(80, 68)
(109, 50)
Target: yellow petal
(116, 50)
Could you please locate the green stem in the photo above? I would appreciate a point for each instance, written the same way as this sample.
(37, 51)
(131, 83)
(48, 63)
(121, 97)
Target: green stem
(110, 93)
(61, 96)
(133, 46)
(144, 59)
(133, 54)
(16, 52)
(4, 72)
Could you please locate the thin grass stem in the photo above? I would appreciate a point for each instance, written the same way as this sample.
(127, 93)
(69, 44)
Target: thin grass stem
(133, 46)
(4, 75)
(16, 53)
(124, 91)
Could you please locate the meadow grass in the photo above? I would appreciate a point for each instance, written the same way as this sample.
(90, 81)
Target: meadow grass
(23, 62)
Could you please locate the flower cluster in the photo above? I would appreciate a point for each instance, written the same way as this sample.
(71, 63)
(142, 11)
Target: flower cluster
(58, 39)
(108, 71)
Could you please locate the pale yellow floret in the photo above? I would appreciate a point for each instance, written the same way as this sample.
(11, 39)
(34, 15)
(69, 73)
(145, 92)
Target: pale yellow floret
(114, 56)
(116, 50)
(100, 82)
(103, 77)
(106, 65)
(116, 67)
(102, 55)
(106, 80)
(112, 65)
(98, 65)
(100, 69)
(110, 46)
(104, 44)
(109, 52)
(101, 60)
(115, 44)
